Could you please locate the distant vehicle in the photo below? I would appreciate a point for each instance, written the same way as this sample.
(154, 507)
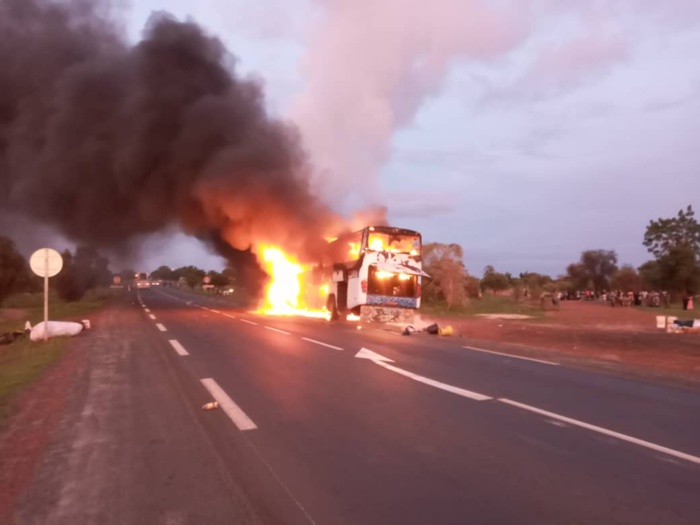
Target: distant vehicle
(142, 283)
(374, 273)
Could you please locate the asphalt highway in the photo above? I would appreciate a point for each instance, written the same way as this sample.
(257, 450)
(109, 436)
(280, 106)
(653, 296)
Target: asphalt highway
(326, 423)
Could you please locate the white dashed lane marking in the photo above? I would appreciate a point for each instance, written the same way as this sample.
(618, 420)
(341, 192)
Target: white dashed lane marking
(178, 347)
(322, 343)
(605, 431)
(232, 410)
(276, 330)
(541, 361)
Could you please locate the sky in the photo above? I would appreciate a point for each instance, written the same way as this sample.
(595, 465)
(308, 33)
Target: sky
(525, 131)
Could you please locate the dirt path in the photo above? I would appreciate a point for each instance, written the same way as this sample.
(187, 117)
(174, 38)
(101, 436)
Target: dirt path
(37, 412)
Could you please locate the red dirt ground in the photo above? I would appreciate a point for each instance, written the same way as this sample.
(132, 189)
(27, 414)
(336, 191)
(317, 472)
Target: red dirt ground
(596, 332)
(36, 414)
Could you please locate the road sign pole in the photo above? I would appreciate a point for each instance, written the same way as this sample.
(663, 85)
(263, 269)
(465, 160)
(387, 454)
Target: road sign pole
(46, 295)
(46, 263)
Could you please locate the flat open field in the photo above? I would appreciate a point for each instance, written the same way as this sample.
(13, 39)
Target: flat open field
(618, 337)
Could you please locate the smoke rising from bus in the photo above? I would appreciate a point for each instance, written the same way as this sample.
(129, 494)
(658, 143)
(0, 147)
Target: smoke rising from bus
(372, 64)
(108, 141)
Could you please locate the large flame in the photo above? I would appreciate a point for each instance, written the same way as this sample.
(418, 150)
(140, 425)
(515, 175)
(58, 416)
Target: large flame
(283, 295)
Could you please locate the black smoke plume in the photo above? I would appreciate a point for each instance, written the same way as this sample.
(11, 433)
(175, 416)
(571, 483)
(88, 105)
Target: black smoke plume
(108, 141)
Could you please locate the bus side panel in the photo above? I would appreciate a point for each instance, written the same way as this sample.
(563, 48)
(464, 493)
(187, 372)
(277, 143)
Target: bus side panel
(357, 295)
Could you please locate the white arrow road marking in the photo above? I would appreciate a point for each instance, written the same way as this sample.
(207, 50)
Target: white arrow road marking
(323, 344)
(178, 347)
(511, 355)
(601, 430)
(233, 411)
(365, 353)
(382, 361)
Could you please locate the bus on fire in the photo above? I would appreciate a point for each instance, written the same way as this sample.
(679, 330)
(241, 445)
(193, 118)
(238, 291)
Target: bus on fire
(374, 273)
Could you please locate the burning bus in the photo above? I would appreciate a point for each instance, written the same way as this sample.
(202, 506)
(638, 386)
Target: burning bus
(374, 273)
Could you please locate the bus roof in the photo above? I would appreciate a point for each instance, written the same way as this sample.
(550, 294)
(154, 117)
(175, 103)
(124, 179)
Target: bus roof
(392, 230)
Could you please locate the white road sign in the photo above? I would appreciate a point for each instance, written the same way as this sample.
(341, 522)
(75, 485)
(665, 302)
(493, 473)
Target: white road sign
(46, 262)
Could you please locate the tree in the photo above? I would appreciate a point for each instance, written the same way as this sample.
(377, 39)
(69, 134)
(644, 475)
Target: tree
(14, 270)
(82, 271)
(594, 269)
(192, 275)
(534, 281)
(577, 276)
(675, 243)
(626, 279)
(662, 235)
(444, 263)
(649, 275)
(218, 279)
(69, 286)
(163, 273)
(678, 270)
(493, 280)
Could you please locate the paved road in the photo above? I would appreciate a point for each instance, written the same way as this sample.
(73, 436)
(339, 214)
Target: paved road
(414, 429)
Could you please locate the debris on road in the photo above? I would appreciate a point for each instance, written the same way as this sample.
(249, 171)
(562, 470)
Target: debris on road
(10, 337)
(210, 406)
(433, 329)
(673, 325)
(684, 326)
(56, 329)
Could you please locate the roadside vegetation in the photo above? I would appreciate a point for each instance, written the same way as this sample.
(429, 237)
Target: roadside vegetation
(79, 290)
(490, 304)
(24, 361)
(674, 274)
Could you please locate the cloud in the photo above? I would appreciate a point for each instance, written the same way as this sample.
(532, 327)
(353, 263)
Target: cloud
(421, 204)
(371, 64)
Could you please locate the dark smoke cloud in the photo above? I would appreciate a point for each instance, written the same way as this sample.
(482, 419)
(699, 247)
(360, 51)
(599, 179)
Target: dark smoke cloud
(108, 142)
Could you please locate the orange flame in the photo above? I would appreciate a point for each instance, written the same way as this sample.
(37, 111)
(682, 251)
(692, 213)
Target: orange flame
(283, 295)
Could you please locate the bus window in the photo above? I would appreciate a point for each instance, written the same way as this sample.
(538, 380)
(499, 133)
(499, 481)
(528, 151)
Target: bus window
(391, 284)
(384, 242)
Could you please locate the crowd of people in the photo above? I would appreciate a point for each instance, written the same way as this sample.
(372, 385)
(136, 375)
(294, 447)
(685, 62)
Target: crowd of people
(652, 299)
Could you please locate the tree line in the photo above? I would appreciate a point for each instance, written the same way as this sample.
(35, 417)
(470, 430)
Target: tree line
(674, 243)
(85, 269)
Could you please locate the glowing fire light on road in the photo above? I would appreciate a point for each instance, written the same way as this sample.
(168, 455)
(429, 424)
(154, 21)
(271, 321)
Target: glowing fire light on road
(283, 292)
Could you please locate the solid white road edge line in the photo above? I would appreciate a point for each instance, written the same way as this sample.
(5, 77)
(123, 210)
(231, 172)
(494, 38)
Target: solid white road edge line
(161, 327)
(178, 347)
(249, 322)
(276, 330)
(152, 316)
(377, 359)
(442, 386)
(232, 410)
(322, 344)
(511, 355)
(601, 430)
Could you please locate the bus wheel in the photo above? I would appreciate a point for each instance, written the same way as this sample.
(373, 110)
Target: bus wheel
(332, 307)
